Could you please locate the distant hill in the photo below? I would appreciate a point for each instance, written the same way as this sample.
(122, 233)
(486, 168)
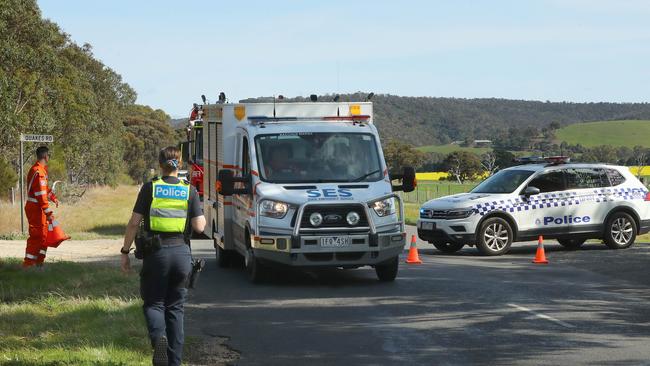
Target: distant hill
(177, 123)
(439, 121)
(614, 133)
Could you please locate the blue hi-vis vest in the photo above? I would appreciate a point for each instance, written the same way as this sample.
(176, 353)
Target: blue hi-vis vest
(168, 212)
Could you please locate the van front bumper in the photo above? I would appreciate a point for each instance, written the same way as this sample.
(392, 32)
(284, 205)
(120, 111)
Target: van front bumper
(306, 250)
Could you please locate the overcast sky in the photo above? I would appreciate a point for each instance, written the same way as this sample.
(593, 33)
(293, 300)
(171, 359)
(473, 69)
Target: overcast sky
(171, 52)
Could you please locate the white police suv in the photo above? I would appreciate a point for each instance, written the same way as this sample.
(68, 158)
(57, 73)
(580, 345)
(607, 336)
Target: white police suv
(549, 197)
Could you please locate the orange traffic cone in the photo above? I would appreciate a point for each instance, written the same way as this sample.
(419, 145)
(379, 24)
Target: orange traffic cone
(55, 235)
(414, 257)
(540, 256)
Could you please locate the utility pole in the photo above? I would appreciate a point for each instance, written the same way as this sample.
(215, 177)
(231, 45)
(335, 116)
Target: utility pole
(22, 190)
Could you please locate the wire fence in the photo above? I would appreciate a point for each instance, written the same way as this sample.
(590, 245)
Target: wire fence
(426, 191)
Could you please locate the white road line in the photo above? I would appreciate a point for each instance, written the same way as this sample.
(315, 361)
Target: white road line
(542, 316)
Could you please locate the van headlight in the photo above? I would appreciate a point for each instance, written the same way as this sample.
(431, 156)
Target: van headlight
(274, 209)
(384, 207)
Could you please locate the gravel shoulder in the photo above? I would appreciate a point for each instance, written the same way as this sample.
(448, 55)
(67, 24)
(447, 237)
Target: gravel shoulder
(99, 250)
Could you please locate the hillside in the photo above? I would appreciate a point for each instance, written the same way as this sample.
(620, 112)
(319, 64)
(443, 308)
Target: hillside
(615, 133)
(438, 121)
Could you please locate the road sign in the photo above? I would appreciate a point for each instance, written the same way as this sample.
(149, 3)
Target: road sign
(36, 138)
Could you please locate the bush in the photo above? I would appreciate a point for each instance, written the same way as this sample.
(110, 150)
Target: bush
(8, 177)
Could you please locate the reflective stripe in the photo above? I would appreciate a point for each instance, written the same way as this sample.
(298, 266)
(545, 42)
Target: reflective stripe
(32, 200)
(40, 193)
(43, 182)
(167, 213)
(29, 256)
(42, 251)
(47, 210)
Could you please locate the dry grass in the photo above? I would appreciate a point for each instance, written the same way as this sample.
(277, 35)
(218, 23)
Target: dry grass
(102, 212)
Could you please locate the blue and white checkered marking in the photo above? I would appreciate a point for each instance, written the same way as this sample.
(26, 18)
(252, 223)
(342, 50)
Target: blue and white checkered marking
(560, 199)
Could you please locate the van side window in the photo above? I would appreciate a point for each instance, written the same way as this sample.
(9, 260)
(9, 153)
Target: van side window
(615, 177)
(549, 182)
(245, 158)
(580, 178)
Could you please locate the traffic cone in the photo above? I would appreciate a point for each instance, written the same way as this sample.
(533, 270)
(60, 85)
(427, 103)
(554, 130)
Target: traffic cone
(55, 235)
(414, 257)
(540, 256)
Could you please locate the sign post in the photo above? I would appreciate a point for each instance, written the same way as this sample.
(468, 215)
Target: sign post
(27, 138)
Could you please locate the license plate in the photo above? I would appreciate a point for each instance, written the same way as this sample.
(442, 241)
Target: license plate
(335, 241)
(428, 225)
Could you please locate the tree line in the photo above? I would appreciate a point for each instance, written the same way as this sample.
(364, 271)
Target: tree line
(51, 85)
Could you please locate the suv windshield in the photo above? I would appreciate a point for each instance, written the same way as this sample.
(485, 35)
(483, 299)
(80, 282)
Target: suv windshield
(307, 157)
(505, 181)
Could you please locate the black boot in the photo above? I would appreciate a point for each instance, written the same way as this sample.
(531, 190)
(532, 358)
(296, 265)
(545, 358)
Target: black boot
(160, 352)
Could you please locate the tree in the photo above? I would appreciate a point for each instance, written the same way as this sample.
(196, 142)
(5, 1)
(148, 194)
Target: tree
(489, 162)
(503, 158)
(8, 177)
(399, 155)
(463, 165)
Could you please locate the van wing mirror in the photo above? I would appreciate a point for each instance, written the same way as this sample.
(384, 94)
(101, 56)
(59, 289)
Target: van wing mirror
(409, 182)
(531, 191)
(226, 183)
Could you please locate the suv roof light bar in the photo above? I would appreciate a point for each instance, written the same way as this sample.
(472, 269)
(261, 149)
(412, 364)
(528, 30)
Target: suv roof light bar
(549, 160)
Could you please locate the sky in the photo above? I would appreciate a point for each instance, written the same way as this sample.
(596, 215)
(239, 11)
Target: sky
(171, 52)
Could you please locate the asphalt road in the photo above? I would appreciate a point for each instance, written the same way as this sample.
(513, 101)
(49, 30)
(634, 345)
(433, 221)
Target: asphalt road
(590, 306)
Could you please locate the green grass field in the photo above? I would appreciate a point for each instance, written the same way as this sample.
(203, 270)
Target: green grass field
(101, 213)
(71, 314)
(449, 148)
(615, 133)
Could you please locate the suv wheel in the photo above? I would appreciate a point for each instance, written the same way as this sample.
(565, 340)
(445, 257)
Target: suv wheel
(571, 243)
(448, 247)
(495, 237)
(620, 231)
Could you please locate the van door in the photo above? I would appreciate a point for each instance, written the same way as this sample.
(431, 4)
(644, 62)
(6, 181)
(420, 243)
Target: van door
(544, 213)
(242, 203)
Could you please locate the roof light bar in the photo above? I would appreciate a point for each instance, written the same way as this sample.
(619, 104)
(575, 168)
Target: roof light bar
(552, 160)
(265, 119)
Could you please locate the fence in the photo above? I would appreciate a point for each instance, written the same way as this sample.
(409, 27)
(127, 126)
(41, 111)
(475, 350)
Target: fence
(429, 190)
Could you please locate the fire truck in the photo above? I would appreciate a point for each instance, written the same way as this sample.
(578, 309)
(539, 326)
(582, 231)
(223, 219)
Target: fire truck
(192, 149)
(302, 185)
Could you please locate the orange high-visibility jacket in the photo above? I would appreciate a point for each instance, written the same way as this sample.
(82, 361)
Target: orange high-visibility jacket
(37, 190)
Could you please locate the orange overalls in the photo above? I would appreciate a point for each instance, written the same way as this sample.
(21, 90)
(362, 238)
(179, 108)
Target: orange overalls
(38, 211)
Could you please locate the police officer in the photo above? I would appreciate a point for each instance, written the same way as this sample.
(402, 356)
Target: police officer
(170, 208)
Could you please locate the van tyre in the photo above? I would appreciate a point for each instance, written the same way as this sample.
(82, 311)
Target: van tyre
(387, 271)
(224, 257)
(448, 247)
(620, 231)
(257, 271)
(495, 237)
(571, 244)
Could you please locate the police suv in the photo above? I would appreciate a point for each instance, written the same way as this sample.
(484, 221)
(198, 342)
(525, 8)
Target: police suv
(549, 197)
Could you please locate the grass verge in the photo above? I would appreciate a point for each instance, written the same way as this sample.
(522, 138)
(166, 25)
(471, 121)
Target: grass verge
(70, 314)
(101, 213)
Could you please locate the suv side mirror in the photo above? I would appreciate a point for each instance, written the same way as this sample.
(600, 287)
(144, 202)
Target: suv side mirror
(409, 182)
(531, 191)
(226, 183)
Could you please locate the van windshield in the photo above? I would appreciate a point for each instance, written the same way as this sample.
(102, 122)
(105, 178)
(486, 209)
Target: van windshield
(505, 181)
(318, 157)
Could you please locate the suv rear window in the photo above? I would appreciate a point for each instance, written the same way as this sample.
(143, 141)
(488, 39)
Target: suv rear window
(615, 177)
(580, 178)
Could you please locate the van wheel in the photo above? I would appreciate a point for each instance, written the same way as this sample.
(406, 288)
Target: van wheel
(571, 243)
(224, 257)
(387, 271)
(620, 231)
(256, 271)
(448, 247)
(495, 237)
